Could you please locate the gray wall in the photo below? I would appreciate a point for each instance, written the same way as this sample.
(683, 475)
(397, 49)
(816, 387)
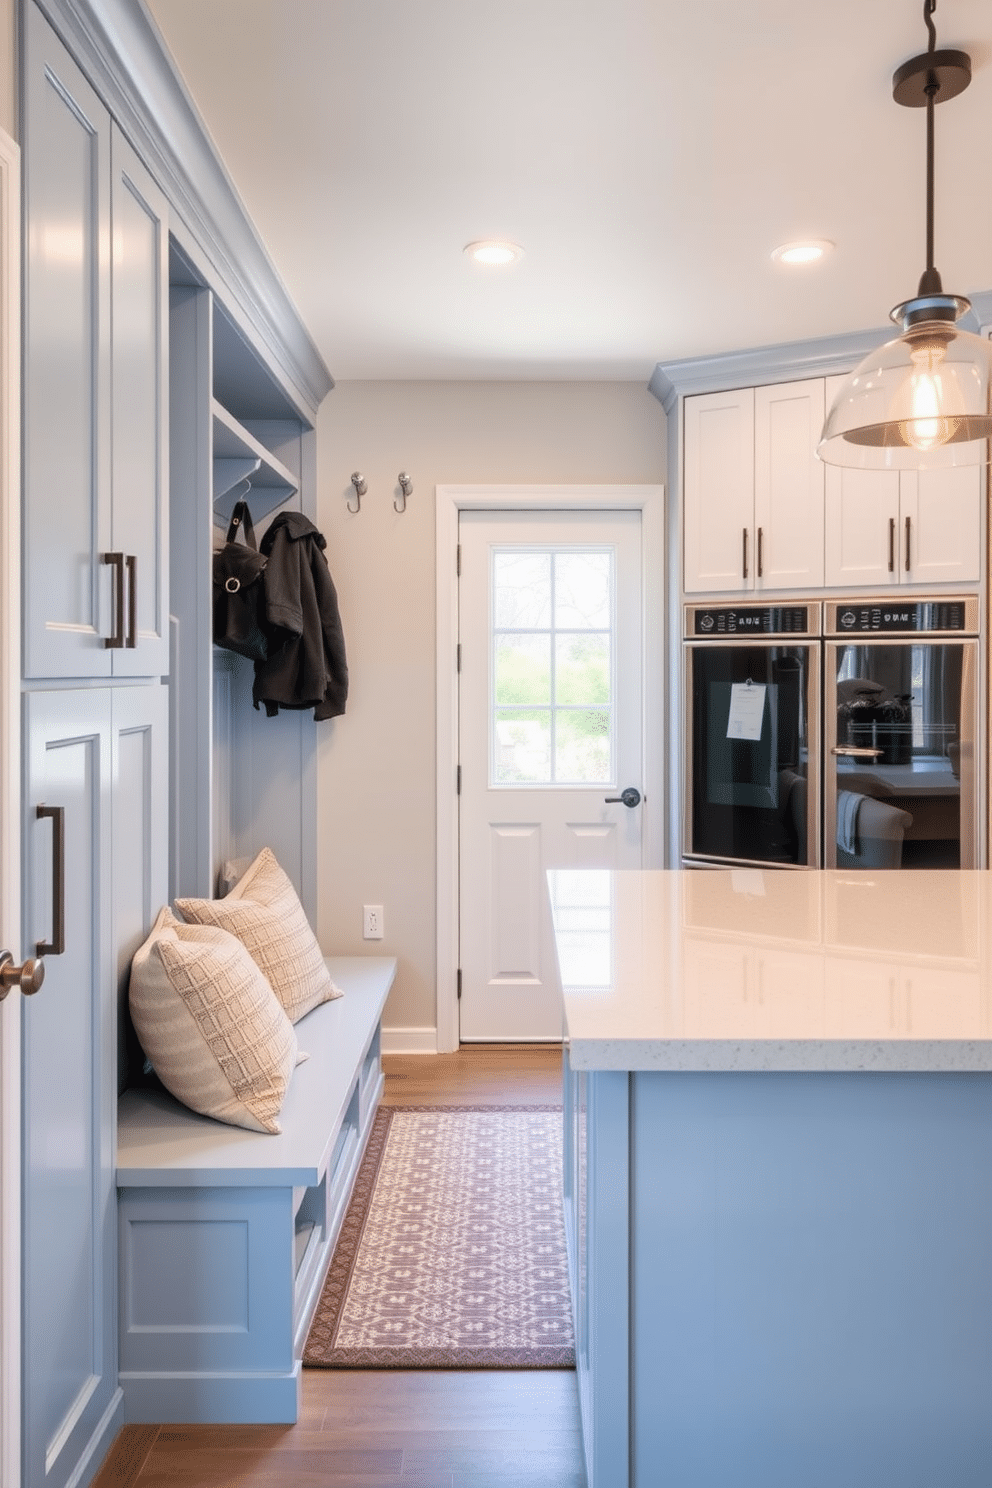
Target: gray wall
(376, 781)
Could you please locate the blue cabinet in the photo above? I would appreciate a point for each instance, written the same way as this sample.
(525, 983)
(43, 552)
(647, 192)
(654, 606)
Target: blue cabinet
(95, 383)
(96, 619)
(96, 761)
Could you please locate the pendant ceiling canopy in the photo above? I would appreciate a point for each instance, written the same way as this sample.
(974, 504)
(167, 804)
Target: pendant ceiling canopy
(924, 398)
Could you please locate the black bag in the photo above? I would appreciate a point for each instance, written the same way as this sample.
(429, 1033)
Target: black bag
(239, 603)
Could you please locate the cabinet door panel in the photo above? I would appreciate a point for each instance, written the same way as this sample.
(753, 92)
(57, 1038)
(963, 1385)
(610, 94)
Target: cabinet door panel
(70, 1374)
(719, 491)
(944, 509)
(862, 527)
(67, 518)
(140, 329)
(140, 764)
(788, 486)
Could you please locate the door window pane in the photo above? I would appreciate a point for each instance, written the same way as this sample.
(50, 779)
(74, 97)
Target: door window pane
(582, 669)
(582, 746)
(522, 590)
(523, 671)
(522, 754)
(552, 635)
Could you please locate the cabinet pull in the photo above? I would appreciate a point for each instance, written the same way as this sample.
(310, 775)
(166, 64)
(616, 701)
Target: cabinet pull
(116, 641)
(744, 556)
(56, 946)
(892, 545)
(132, 601)
(760, 567)
(907, 544)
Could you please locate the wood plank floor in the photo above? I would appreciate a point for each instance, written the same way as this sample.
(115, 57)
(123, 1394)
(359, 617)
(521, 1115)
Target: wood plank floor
(395, 1428)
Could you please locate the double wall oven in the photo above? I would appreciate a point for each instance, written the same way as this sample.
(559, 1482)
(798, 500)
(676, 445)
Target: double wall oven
(836, 734)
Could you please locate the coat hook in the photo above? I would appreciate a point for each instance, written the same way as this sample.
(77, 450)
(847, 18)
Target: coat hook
(361, 485)
(406, 486)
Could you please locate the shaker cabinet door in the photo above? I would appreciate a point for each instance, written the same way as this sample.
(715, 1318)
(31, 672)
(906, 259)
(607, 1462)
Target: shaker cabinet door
(70, 1391)
(67, 507)
(718, 528)
(96, 327)
(140, 290)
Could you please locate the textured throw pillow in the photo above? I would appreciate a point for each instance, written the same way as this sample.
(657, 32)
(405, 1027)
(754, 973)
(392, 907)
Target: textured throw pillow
(208, 1020)
(263, 911)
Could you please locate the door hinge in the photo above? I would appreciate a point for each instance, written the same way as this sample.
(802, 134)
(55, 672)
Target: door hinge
(458, 657)
(459, 984)
(458, 780)
(458, 561)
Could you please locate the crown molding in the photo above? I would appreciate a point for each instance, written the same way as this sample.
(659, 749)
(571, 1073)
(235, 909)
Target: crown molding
(788, 362)
(118, 46)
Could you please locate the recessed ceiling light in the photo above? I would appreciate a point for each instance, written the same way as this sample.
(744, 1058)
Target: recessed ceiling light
(811, 250)
(495, 251)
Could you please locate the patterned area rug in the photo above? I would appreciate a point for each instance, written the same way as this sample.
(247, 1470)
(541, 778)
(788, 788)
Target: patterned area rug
(452, 1253)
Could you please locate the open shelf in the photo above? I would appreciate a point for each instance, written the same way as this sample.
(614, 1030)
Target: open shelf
(239, 456)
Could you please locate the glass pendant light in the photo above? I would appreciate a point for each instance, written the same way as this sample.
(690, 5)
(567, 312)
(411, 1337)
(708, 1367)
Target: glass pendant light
(926, 397)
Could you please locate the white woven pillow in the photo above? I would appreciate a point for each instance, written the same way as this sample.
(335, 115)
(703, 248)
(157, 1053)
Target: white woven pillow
(264, 912)
(211, 1025)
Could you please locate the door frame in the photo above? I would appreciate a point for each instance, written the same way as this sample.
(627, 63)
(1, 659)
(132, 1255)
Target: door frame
(10, 805)
(649, 500)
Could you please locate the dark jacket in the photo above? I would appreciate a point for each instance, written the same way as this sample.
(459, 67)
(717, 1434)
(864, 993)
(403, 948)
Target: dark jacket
(306, 666)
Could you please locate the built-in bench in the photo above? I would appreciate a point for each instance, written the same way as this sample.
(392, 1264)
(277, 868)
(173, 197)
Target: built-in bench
(226, 1234)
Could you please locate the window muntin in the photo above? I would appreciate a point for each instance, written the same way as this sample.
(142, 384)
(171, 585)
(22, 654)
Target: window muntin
(553, 670)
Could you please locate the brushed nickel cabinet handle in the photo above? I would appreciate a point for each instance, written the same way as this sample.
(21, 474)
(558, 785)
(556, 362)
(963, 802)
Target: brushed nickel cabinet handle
(132, 601)
(892, 545)
(56, 946)
(116, 641)
(744, 557)
(907, 543)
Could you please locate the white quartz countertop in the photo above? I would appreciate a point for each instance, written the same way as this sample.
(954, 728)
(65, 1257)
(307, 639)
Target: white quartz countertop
(743, 969)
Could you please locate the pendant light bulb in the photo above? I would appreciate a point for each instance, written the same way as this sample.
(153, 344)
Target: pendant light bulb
(927, 429)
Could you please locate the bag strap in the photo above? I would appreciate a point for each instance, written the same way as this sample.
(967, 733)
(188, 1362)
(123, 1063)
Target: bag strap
(241, 517)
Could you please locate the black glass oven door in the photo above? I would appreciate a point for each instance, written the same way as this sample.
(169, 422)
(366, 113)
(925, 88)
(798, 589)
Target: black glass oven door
(751, 794)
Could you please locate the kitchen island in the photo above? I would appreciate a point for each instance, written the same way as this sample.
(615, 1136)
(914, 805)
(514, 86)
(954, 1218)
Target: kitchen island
(778, 1175)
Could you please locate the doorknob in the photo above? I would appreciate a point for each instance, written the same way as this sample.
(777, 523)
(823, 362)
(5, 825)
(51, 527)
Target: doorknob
(28, 976)
(630, 797)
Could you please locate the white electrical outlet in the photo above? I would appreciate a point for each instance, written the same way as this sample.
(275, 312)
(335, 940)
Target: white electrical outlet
(372, 922)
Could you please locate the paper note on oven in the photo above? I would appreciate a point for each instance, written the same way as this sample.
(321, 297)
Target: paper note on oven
(747, 709)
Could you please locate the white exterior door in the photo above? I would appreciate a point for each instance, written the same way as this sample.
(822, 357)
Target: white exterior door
(550, 727)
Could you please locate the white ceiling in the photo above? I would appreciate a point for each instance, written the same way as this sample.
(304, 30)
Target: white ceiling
(648, 156)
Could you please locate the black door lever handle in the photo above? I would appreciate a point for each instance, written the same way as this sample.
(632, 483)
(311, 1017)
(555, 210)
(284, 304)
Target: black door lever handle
(630, 797)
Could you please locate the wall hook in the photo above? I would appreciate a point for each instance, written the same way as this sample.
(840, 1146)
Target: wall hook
(406, 486)
(361, 485)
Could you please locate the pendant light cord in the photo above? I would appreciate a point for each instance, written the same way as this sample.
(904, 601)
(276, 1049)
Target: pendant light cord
(931, 90)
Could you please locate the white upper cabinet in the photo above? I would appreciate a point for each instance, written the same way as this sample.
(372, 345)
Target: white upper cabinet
(886, 527)
(788, 485)
(754, 489)
(719, 491)
(95, 464)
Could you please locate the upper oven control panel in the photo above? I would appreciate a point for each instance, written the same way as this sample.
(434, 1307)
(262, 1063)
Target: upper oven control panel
(955, 615)
(703, 622)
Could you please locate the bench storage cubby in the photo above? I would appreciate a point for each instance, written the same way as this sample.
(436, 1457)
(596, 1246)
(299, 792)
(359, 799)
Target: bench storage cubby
(226, 1235)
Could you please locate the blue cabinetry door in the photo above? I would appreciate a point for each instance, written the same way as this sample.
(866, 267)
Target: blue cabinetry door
(97, 759)
(71, 1400)
(95, 350)
(139, 372)
(68, 589)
